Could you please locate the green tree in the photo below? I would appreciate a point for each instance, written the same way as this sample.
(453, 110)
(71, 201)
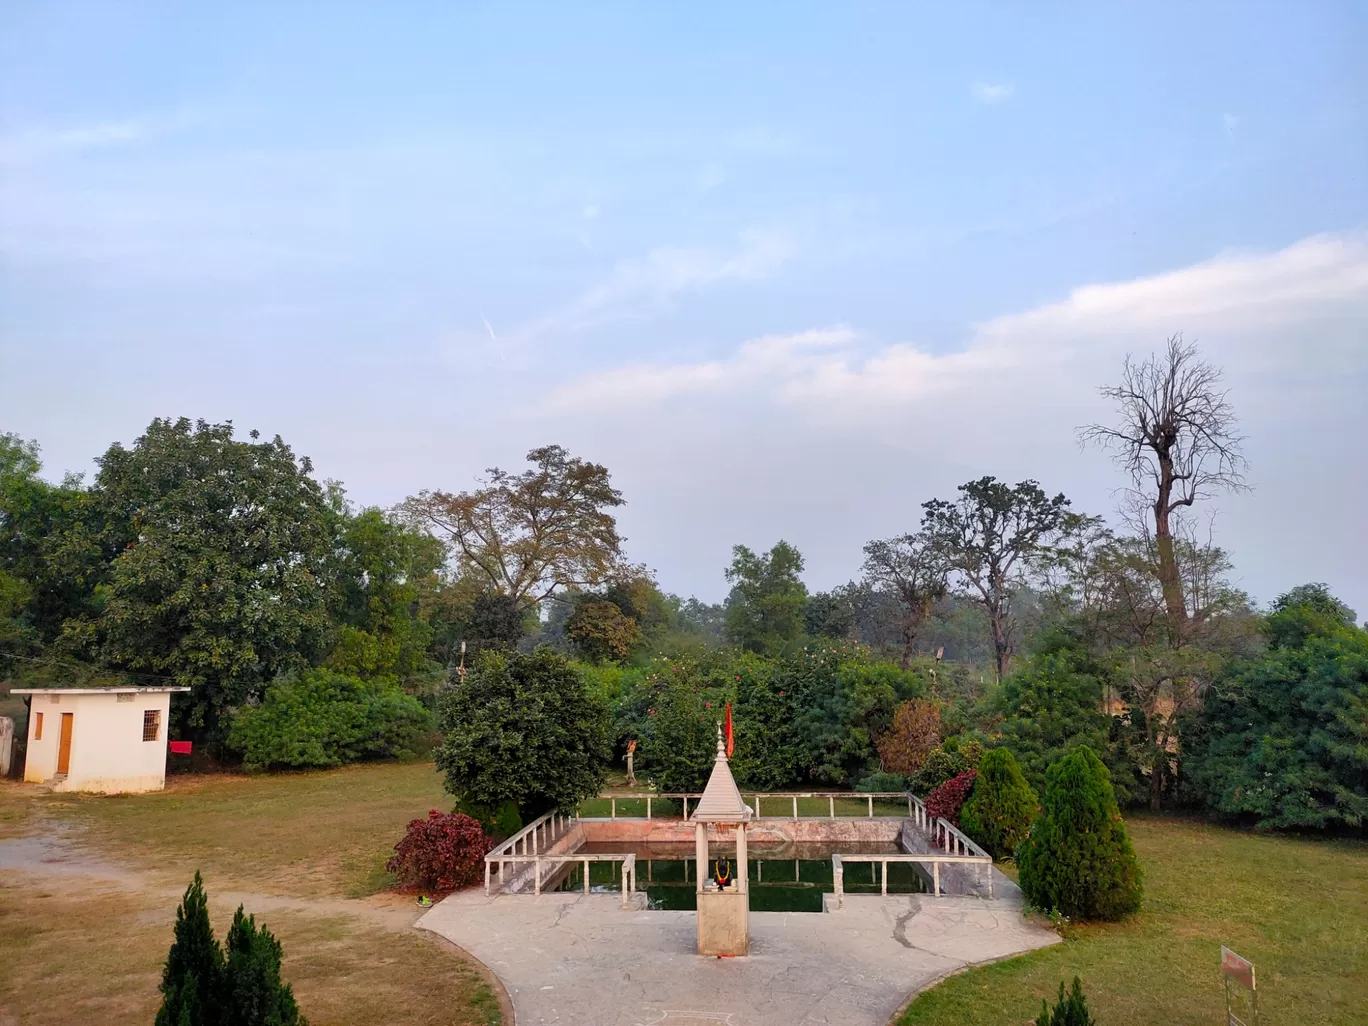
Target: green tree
(829, 614)
(190, 984)
(990, 537)
(1078, 857)
(525, 729)
(1001, 806)
(321, 718)
(379, 566)
(912, 567)
(252, 991)
(599, 630)
(1281, 739)
(767, 600)
(679, 733)
(218, 582)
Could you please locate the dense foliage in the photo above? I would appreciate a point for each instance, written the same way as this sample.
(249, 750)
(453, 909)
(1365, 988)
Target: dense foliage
(443, 852)
(946, 801)
(1078, 859)
(1070, 1009)
(321, 718)
(1282, 741)
(202, 985)
(1001, 807)
(524, 729)
(913, 735)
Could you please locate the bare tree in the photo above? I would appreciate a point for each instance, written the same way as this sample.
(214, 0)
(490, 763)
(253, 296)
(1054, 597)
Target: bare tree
(1176, 437)
(527, 535)
(914, 569)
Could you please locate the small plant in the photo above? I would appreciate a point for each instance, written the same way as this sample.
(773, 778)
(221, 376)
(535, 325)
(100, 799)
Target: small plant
(200, 987)
(1001, 806)
(1070, 1009)
(440, 853)
(946, 801)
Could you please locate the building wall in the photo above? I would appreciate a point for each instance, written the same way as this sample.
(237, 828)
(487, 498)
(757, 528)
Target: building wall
(108, 753)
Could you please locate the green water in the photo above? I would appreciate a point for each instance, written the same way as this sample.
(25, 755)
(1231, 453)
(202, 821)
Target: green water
(791, 878)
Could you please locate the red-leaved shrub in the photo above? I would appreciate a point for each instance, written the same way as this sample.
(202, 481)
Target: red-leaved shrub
(946, 801)
(440, 853)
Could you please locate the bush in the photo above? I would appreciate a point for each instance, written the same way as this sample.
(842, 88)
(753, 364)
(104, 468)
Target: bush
(524, 729)
(441, 853)
(949, 760)
(1001, 806)
(201, 988)
(322, 718)
(1069, 1010)
(1078, 858)
(882, 782)
(913, 736)
(946, 801)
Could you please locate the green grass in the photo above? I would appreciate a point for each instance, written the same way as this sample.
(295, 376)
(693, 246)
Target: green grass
(1297, 908)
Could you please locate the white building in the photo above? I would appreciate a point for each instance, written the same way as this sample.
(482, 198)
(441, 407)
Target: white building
(98, 739)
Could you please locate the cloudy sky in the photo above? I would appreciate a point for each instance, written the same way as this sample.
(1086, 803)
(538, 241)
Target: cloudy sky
(788, 271)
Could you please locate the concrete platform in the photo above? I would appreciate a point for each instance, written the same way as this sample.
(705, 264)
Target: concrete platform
(582, 960)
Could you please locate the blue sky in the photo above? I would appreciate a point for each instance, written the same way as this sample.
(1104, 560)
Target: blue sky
(788, 270)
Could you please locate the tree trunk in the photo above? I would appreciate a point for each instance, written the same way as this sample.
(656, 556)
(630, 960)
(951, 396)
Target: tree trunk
(1001, 647)
(1169, 580)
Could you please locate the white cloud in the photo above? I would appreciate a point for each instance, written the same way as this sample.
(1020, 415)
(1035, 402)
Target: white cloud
(35, 144)
(992, 92)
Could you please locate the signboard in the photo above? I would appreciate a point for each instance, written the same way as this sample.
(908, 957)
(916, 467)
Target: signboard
(1240, 971)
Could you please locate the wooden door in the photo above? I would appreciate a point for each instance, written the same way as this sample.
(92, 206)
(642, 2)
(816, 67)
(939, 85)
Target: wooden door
(64, 745)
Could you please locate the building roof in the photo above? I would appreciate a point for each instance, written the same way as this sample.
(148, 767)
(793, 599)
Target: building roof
(92, 691)
(721, 801)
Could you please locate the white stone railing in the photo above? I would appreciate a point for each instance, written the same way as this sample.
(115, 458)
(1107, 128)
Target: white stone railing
(546, 866)
(759, 797)
(935, 861)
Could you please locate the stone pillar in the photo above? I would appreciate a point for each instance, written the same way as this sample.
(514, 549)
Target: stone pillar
(701, 852)
(742, 874)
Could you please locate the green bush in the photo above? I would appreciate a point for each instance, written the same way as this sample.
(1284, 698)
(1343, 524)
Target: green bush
(1078, 858)
(945, 763)
(524, 729)
(1070, 1010)
(882, 782)
(1001, 806)
(323, 718)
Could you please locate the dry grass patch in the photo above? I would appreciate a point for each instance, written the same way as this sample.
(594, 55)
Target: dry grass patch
(1297, 908)
(77, 953)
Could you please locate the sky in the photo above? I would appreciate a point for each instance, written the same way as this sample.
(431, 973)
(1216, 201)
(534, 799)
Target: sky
(788, 270)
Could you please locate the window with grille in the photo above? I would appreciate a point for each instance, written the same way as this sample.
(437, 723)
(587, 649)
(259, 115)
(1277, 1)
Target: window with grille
(38, 727)
(151, 724)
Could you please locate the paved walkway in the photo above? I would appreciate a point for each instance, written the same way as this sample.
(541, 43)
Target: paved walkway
(582, 960)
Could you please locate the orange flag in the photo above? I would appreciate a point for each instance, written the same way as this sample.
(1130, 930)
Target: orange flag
(731, 738)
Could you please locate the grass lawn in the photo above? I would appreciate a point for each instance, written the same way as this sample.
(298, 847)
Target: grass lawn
(85, 943)
(1297, 908)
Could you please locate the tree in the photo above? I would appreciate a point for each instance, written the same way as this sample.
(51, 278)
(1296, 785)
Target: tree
(990, 536)
(378, 568)
(914, 569)
(914, 735)
(529, 535)
(829, 614)
(218, 582)
(1280, 740)
(1001, 806)
(523, 729)
(252, 991)
(1176, 438)
(765, 607)
(1078, 857)
(599, 631)
(191, 977)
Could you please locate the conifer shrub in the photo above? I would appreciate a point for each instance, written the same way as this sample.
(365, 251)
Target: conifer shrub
(946, 801)
(190, 978)
(1078, 858)
(200, 987)
(441, 853)
(1001, 806)
(1070, 1009)
(252, 992)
